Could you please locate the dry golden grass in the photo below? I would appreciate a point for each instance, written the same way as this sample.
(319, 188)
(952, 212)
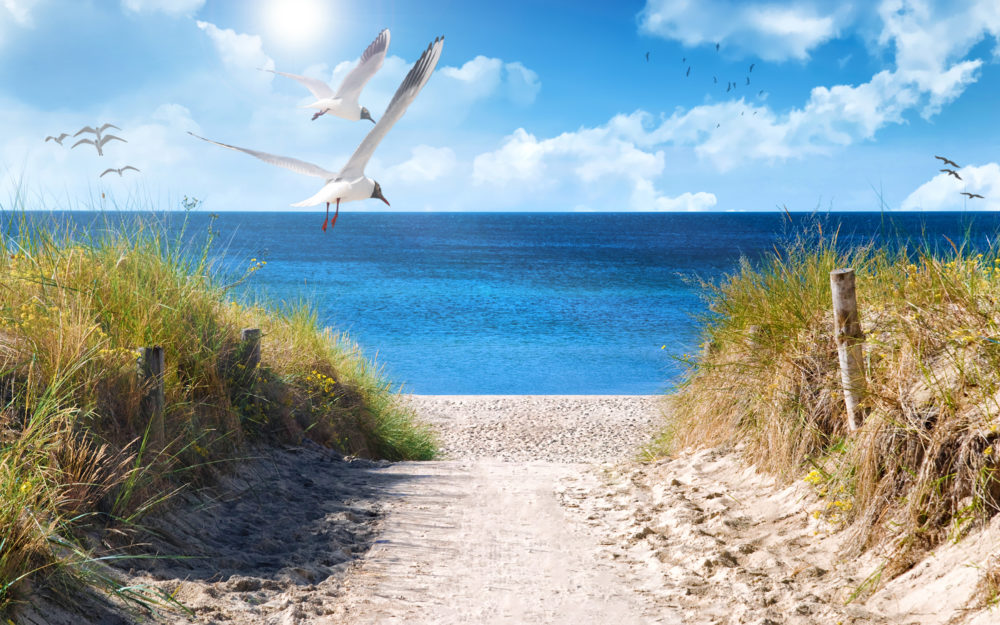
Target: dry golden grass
(74, 452)
(923, 467)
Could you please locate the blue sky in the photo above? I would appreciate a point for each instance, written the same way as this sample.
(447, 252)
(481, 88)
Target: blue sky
(534, 106)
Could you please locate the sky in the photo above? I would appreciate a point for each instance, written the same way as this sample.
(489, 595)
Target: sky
(534, 106)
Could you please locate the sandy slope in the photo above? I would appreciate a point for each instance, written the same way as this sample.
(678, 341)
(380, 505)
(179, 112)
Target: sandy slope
(488, 536)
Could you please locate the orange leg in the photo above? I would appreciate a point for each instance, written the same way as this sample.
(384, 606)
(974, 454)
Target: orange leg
(327, 216)
(334, 220)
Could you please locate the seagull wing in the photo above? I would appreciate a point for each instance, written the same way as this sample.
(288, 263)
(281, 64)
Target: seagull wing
(106, 126)
(130, 167)
(318, 88)
(294, 164)
(85, 129)
(408, 90)
(90, 141)
(107, 138)
(108, 171)
(371, 61)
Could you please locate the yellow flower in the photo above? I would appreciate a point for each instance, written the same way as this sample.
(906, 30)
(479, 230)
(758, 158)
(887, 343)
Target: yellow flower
(988, 451)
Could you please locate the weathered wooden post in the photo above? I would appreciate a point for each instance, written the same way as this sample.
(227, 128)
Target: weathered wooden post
(250, 350)
(849, 337)
(151, 367)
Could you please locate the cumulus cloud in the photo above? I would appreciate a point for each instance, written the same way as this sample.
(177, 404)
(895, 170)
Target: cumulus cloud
(774, 30)
(605, 162)
(170, 7)
(242, 55)
(426, 164)
(930, 41)
(943, 192)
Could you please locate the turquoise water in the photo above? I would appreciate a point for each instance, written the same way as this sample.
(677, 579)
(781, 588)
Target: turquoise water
(518, 303)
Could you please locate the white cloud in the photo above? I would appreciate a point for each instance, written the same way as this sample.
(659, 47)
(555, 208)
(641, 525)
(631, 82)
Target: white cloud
(20, 10)
(522, 84)
(170, 7)
(243, 55)
(604, 164)
(774, 31)
(426, 164)
(943, 192)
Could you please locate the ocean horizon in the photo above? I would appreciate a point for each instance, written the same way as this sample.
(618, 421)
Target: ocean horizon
(519, 302)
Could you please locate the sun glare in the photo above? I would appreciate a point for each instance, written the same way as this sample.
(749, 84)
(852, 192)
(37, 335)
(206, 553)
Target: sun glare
(296, 22)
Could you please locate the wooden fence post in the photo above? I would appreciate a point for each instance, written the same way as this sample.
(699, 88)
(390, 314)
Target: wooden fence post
(151, 367)
(250, 350)
(849, 337)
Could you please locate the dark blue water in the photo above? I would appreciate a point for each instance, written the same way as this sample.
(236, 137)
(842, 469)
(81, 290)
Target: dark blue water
(525, 302)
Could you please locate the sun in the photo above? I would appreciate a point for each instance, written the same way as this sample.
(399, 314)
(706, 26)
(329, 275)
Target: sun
(296, 23)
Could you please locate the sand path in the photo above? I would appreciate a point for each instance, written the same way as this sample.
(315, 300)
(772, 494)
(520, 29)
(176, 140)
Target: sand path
(487, 542)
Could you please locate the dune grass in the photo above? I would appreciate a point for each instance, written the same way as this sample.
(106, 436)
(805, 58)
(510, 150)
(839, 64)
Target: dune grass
(923, 467)
(74, 454)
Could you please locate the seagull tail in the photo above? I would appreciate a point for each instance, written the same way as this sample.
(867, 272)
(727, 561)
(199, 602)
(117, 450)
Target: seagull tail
(312, 201)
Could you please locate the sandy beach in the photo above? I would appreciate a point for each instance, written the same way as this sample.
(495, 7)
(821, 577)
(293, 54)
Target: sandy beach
(537, 513)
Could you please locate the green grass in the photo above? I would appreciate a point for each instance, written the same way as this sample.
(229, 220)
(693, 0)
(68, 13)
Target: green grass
(923, 467)
(74, 453)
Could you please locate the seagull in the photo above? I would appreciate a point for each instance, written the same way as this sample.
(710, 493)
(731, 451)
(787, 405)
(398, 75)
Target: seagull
(98, 142)
(118, 171)
(647, 57)
(751, 68)
(748, 80)
(972, 195)
(684, 60)
(350, 183)
(951, 172)
(58, 139)
(96, 131)
(344, 103)
(715, 80)
(716, 47)
(948, 162)
(688, 73)
(729, 86)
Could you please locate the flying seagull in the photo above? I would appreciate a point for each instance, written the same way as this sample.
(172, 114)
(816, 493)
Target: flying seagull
(344, 103)
(972, 195)
(58, 139)
(951, 172)
(118, 171)
(715, 80)
(716, 47)
(748, 80)
(647, 57)
(688, 73)
(98, 143)
(350, 183)
(751, 68)
(96, 131)
(946, 161)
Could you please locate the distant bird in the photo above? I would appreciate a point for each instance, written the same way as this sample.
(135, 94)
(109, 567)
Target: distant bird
(946, 161)
(344, 103)
(715, 80)
(687, 73)
(972, 195)
(118, 171)
(96, 131)
(58, 139)
(760, 93)
(684, 60)
(755, 112)
(647, 57)
(951, 172)
(717, 125)
(98, 142)
(748, 80)
(716, 47)
(751, 68)
(729, 86)
(350, 183)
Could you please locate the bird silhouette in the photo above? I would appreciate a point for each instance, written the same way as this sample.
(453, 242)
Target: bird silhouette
(687, 73)
(948, 162)
(96, 131)
(98, 142)
(729, 86)
(716, 47)
(751, 68)
(715, 80)
(684, 60)
(58, 139)
(760, 93)
(972, 195)
(118, 171)
(951, 172)
(748, 80)
(647, 57)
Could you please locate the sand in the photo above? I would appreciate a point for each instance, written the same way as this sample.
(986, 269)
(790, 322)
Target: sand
(537, 514)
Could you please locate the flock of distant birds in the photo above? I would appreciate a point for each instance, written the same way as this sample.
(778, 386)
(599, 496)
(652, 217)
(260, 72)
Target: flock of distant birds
(953, 173)
(99, 141)
(731, 85)
(351, 183)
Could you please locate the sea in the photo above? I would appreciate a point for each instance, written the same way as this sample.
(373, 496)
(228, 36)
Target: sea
(521, 303)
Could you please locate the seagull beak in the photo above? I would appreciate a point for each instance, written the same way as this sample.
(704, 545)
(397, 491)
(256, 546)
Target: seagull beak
(382, 197)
